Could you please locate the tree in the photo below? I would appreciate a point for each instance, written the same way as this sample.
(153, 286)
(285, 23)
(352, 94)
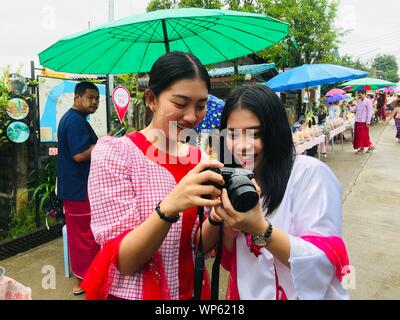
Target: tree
(311, 25)
(206, 4)
(160, 4)
(386, 67)
(5, 120)
(313, 36)
(350, 62)
(237, 5)
(241, 5)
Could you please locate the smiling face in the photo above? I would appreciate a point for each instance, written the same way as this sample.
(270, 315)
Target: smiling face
(183, 103)
(244, 138)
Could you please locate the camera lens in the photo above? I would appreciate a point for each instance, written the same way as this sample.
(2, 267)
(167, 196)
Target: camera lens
(242, 193)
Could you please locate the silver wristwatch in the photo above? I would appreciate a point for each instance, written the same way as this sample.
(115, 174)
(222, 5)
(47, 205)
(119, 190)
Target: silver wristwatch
(264, 239)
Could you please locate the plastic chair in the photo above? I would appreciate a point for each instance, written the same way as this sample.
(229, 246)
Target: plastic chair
(66, 252)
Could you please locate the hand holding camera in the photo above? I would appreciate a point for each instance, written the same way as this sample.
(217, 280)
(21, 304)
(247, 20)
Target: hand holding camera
(192, 190)
(241, 191)
(251, 222)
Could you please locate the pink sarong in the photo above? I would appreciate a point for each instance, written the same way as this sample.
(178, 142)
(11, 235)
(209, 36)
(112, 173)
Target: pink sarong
(82, 246)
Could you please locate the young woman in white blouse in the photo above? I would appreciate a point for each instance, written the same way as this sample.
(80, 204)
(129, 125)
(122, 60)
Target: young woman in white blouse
(289, 246)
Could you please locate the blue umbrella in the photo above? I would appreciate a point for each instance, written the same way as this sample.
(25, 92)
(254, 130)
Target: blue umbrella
(310, 75)
(212, 118)
(335, 98)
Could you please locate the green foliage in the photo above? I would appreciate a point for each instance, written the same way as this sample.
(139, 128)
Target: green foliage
(386, 67)
(47, 184)
(92, 80)
(206, 4)
(5, 120)
(348, 61)
(160, 4)
(32, 82)
(22, 222)
(313, 35)
(241, 5)
(312, 26)
(45, 190)
(238, 5)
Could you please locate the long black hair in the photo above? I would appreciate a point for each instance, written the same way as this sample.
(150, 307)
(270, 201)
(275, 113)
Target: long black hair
(276, 136)
(172, 67)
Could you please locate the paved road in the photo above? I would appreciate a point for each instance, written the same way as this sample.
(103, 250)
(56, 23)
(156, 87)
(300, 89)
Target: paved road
(371, 226)
(371, 221)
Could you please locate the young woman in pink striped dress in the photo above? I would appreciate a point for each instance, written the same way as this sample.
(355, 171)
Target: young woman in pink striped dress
(144, 190)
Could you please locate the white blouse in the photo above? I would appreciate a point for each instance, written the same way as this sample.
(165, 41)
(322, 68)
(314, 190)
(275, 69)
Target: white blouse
(311, 206)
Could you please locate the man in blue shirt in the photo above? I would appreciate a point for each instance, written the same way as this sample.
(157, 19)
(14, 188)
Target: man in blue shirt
(76, 140)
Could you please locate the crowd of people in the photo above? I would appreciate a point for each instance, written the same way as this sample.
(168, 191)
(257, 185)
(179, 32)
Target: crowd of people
(132, 202)
(388, 108)
(367, 109)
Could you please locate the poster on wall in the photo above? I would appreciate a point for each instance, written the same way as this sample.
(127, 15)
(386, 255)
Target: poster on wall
(56, 96)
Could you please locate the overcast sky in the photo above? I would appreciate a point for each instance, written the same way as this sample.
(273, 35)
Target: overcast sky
(28, 27)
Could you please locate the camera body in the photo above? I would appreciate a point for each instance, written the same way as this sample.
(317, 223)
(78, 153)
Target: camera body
(241, 191)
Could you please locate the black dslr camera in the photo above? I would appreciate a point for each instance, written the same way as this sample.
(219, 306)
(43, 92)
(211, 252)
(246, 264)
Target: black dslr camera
(241, 191)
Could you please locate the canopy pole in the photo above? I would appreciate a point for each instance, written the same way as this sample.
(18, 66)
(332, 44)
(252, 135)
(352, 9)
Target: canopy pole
(165, 33)
(109, 77)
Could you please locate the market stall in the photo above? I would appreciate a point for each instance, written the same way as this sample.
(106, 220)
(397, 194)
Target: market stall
(307, 138)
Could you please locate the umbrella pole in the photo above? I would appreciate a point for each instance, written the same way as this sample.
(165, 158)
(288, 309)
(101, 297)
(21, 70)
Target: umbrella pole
(165, 33)
(109, 77)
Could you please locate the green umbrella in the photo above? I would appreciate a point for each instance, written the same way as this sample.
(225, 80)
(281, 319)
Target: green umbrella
(366, 84)
(132, 44)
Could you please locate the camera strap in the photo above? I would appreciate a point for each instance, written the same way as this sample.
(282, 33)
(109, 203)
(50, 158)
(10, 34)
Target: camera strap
(216, 266)
(199, 259)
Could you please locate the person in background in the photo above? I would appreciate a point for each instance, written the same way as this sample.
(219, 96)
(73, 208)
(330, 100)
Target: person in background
(381, 102)
(334, 111)
(363, 111)
(76, 140)
(344, 109)
(396, 116)
(299, 124)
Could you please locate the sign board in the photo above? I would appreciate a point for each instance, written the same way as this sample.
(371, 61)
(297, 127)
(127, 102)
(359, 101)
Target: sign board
(121, 98)
(56, 96)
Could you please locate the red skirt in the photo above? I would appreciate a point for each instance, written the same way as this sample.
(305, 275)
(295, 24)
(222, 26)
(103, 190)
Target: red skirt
(361, 136)
(81, 244)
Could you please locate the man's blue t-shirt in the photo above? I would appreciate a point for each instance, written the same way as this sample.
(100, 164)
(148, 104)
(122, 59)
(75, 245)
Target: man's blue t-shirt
(75, 135)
